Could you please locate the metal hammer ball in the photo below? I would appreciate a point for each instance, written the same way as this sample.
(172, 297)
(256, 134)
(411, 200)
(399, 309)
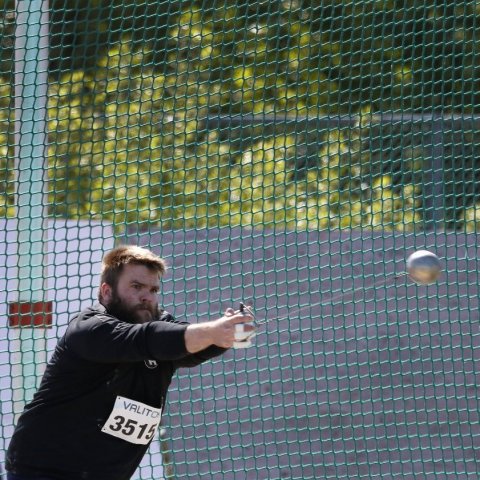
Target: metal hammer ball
(424, 267)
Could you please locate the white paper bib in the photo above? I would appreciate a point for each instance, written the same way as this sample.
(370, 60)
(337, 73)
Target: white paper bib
(133, 421)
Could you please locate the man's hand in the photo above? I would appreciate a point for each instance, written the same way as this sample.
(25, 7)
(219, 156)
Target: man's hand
(219, 332)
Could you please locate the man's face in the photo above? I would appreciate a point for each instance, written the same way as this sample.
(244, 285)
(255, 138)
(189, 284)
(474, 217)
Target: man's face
(135, 299)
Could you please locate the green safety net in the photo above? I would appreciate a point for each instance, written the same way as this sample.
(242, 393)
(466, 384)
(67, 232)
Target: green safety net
(284, 153)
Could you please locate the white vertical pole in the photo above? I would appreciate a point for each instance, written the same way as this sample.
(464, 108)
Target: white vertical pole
(31, 82)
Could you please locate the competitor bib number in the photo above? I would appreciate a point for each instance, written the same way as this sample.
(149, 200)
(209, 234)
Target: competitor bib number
(133, 421)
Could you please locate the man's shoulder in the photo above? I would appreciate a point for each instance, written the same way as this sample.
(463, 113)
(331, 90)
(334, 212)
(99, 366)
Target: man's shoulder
(165, 316)
(92, 315)
(98, 314)
(96, 310)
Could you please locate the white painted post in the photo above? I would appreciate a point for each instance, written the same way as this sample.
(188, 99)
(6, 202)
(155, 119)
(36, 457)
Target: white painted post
(31, 83)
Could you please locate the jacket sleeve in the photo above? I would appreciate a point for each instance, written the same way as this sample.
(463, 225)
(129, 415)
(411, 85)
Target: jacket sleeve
(194, 359)
(103, 338)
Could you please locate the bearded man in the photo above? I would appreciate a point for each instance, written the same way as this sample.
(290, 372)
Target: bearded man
(103, 392)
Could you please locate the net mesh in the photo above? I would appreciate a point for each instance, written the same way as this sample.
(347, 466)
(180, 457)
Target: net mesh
(280, 153)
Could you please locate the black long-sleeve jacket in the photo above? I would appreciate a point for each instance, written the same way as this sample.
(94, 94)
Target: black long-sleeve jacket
(99, 359)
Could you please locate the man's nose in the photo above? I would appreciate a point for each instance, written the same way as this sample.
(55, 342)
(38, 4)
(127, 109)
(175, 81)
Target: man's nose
(148, 297)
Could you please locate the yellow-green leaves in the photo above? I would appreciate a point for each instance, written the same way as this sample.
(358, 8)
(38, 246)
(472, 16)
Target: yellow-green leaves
(130, 145)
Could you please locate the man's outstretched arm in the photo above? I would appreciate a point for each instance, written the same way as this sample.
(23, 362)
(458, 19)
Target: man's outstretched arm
(220, 333)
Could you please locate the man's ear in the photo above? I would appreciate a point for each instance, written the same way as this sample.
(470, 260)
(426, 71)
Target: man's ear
(106, 292)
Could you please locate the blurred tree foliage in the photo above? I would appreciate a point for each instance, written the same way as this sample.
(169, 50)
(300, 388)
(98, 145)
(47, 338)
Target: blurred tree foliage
(133, 82)
(126, 146)
(333, 56)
